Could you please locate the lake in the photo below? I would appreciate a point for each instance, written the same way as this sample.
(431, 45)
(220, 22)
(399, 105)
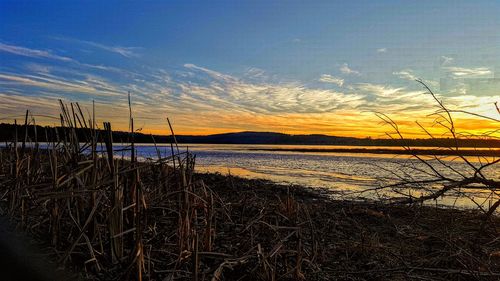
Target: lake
(350, 175)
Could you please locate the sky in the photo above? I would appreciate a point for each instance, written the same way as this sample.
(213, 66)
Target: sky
(296, 67)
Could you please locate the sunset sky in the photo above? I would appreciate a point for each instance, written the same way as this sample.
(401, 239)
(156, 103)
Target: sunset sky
(225, 66)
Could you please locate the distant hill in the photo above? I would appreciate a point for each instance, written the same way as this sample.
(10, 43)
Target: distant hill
(7, 133)
(265, 138)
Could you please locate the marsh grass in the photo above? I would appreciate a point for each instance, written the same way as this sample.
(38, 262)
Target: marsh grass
(114, 217)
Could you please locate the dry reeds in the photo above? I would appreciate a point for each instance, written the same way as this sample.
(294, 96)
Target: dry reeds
(116, 218)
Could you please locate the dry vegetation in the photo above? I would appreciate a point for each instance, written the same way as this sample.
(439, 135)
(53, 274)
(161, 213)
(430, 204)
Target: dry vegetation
(112, 218)
(437, 177)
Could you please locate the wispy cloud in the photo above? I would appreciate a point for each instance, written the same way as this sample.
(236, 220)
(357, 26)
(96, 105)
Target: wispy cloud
(221, 102)
(347, 70)
(58, 84)
(225, 91)
(327, 78)
(38, 68)
(32, 53)
(44, 54)
(212, 73)
(406, 75)
(255, 73)
(382, 50)
(128, 52)
(378, 90)
(42, 104)
(463, 72)
(446, 60)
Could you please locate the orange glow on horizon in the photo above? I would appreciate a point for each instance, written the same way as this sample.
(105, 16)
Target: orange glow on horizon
(343, 123)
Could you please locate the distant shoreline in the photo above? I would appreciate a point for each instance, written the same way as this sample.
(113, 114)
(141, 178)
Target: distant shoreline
(433, 152)
(8, 132)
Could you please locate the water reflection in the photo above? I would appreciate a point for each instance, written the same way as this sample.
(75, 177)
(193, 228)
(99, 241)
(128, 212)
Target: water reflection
(346, 173)
(351, 175)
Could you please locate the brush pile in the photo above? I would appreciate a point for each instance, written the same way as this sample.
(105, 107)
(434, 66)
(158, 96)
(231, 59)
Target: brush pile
(116, 218)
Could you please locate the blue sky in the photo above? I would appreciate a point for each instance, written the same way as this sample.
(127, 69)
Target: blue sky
(217, 66)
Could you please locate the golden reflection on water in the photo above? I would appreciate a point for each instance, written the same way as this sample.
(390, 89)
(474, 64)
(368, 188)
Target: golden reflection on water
(352, 186)
(346, 174)
(287, 177)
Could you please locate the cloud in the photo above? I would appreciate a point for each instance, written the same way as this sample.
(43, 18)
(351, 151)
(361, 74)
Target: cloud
(445, 60)
(222, 91)
(221, 102)
(212, 73)
(378, 90)
(201, 100)
(406, 75)
(266, 98)
(32, 53)
(346, 70)
(255, 73)
(398, 102)
(463, 72)
(128, 52)
(58, 84)
(327, 78)
(20, 102)
(382, 50)
(38, 68)
(484, 105)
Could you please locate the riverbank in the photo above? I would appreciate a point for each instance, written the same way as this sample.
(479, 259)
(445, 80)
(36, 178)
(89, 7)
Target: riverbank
(115, 218)
(264, 231)
(370, 241)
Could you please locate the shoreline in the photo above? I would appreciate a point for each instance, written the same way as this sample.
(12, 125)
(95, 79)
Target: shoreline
(311, 194)
(269, 231)
(384, 241)
(430, 152)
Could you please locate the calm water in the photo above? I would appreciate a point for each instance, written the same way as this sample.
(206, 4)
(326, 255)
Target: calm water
(351, 175)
